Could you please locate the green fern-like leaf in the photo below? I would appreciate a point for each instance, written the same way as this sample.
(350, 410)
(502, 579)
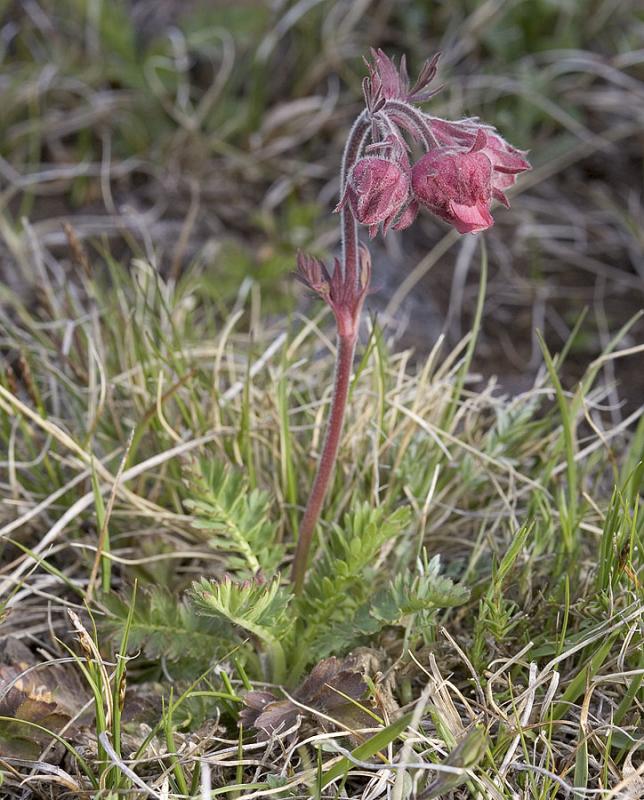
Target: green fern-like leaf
(163, 625)
(419, 594)
(333, 610)
(345, 571)
(344, 634)
(423, 592)
(248, 604)
(236, 518)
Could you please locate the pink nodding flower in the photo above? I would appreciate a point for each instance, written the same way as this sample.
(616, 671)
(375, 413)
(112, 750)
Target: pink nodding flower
(377, 191)
(456, 186)
(507, 161)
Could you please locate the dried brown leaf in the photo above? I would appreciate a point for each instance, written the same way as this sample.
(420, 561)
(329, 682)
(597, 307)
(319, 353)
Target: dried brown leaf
(48, 695)
(335, 694)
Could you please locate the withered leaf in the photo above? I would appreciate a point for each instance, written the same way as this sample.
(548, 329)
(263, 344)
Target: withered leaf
(334, 688)
(46, 695)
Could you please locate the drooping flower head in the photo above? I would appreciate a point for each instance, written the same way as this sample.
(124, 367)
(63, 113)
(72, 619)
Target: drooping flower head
(378, 188)
(507, 161)
(466, 166)
(455, 186)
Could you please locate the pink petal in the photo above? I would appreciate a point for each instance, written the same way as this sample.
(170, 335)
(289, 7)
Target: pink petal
(501, 180)
(480, 142)
(497, 194)
(407, 217)
(470, 219)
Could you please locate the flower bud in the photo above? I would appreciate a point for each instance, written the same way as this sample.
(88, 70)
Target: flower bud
(377, 190)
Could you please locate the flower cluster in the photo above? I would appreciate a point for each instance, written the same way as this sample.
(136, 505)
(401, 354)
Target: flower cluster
(466, 165)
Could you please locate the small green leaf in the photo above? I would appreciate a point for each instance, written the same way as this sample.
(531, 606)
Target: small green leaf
(254, 606)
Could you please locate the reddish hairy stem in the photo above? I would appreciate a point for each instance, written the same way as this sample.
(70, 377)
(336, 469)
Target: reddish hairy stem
(353, 147)
(350, 247)
(347, 334)
(344, 364)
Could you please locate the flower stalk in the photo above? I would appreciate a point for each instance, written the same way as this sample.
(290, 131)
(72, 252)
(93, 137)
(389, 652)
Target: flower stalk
(344, 364)
(465, 167)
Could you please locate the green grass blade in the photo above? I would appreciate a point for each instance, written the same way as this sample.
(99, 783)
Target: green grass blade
(367, 749)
